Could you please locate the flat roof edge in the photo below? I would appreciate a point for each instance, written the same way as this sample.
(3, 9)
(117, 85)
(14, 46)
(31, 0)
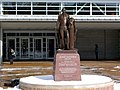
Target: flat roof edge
(54, 18)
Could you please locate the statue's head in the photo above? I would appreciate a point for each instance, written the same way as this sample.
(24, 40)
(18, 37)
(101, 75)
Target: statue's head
(71, 21)
(63, 10)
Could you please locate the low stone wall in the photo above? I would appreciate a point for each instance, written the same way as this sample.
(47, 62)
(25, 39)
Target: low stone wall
(47, 83)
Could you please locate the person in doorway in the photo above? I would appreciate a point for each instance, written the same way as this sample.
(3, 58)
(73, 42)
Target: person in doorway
(96, 51)
(11, 55)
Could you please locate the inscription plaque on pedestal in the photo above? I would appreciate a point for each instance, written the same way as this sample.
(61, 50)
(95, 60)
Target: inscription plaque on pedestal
(67, 66)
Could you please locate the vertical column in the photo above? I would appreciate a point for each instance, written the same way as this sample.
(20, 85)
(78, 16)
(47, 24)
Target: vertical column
(1, 41)
(105, 9)
(104, 44)
(76, 9)
(1, 13)
(62, 5)
(118, 44)
(16, 7)
(46, 9)
(90, 9)
(0, 7)
(119, 9)
(31, 8)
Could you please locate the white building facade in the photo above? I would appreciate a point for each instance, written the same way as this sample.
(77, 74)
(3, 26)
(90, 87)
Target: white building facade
(28, 26)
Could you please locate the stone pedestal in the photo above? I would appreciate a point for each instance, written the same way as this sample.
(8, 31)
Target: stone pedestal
(67, 66)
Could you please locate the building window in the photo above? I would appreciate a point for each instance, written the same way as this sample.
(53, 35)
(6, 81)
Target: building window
(112, 9)
(24, 8)
(9, 8)
(24, 34)
(105, 9)
(53, 8)
(71, 7)
(98, 8)
(39, 8)
(83, 9)
(11, 34)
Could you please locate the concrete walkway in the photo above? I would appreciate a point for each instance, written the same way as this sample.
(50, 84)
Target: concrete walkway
(22, 69)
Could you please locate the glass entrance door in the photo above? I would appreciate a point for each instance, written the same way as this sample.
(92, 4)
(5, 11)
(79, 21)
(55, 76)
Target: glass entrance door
(38, 48)
(24, 48)
(30, 45)
(51, 46)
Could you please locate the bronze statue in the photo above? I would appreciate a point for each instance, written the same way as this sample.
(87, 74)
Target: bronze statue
(63, 36)
(66, 31)
(72, 33)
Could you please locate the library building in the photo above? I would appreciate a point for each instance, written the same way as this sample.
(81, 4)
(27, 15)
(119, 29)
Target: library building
(29, 28)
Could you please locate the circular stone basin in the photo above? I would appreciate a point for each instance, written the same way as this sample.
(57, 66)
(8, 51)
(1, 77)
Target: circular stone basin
(46, 82)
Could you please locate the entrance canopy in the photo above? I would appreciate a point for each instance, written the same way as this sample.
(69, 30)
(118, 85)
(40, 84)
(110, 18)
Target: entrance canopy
(51, 25)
